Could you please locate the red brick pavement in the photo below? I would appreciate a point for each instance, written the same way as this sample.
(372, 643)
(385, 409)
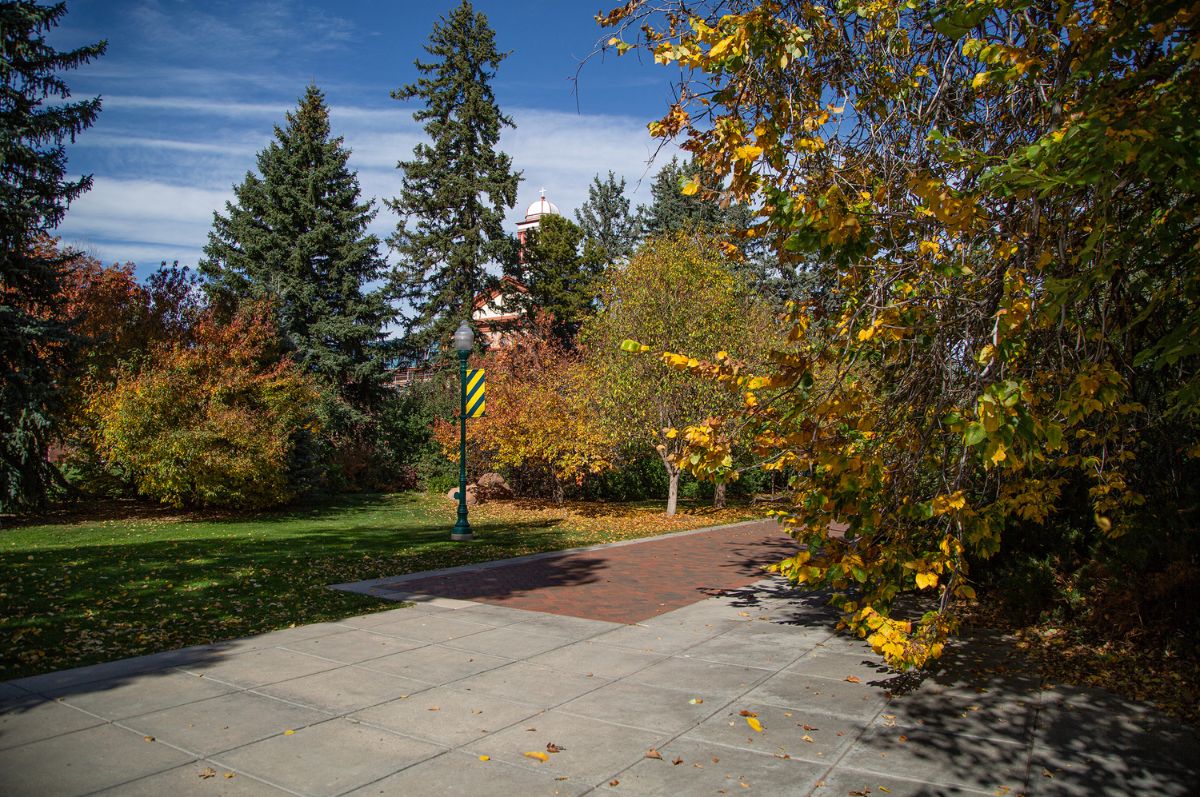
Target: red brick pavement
(624, 583)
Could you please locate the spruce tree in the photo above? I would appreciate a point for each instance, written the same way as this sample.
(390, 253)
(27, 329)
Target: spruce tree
(34, 196)
(671, 210)
(457, 186)
(296, 233)
(560, 272)
(606, 221)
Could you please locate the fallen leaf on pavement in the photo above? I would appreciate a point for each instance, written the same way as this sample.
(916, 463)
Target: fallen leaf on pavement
(614, 782)
(538, 754)
(652, 753)
(754, 724)
(809, 728)
(806, 738)
(745, 713)
(551, 747)
(677, 761)
(208, 772)
(695, 701)
(485, 758)
(147, 738)
(854, 679)
(289, 732)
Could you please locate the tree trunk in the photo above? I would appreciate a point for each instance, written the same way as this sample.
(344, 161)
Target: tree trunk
(560, 496)
(672, 490)
(719, 495)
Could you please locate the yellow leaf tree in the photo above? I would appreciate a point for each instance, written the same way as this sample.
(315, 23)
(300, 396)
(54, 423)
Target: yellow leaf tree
(1003, 200)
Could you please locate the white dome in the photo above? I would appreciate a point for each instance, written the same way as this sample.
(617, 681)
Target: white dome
(541, 208)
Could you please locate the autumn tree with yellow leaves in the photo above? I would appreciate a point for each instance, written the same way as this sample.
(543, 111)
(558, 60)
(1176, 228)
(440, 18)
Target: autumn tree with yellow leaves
(1002, 195)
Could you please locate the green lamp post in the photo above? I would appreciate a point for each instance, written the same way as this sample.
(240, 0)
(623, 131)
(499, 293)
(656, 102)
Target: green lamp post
(464, 341)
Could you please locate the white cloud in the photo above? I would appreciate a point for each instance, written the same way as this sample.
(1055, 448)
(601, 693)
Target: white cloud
(168, 215)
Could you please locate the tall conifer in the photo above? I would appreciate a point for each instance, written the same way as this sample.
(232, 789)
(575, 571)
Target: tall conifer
(456, 188)
(606, 220)
(34, 196)
(296, 233)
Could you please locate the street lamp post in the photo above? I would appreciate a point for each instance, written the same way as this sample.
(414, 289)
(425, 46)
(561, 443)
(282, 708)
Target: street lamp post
(464, 341)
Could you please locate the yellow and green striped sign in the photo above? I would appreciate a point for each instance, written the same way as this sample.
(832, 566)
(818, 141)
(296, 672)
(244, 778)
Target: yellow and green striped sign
(475, 390)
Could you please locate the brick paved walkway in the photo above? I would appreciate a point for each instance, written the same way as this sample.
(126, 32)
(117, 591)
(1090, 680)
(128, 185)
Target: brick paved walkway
(623, 583)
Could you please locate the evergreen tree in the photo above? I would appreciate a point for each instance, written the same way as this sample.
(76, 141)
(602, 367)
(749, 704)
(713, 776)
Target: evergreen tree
(297, 234)
(606, 221)
(456, 189)
(560, 271)
(671, 210)
(34, 196)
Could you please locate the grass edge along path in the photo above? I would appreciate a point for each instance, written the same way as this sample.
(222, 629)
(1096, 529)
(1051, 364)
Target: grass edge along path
(127, 579)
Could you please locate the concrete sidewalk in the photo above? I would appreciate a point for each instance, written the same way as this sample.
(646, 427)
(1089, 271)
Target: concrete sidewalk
(411, 701)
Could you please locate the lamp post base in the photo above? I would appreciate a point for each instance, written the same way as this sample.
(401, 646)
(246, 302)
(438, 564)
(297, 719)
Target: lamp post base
(465, 536)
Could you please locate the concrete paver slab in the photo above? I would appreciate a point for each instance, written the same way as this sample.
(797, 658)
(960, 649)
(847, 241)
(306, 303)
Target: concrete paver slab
(707, 769)
(128, 697)
(197, 779)
(591, 658)
(343, 690)
(456, 774)
(328, 759)
(576, 628)
(353, 646)
(30, 718)
(522, 681)
(655, 640)
(447, 716)
(259, 667)
(783, 732)
(82, 762)
(431, 628)
(788, 690)
(668, 711)
(1052, 775)
(701, 676)
(941, 759)
(774, 652)
(511, 642)
(222, 723)
(435, 664)
(843, 781)
(592, 751)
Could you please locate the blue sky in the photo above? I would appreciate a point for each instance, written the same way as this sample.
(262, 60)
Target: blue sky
(192, 91)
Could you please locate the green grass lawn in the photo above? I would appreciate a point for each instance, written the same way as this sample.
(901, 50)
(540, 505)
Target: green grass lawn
(124, 580)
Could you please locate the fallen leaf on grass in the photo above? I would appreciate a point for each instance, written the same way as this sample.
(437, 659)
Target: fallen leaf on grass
(537, 754)
(652, 753)
(854, 679)
(208, 772)
(754, 724)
